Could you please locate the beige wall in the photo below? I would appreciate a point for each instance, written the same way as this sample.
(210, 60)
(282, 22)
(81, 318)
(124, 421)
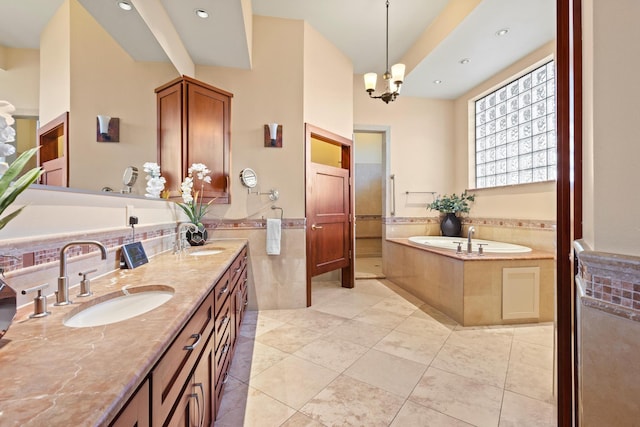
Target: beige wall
(84, 71)
(270, 92)
(55, 65)
(105, 80)
(531, 201)
(421, 144)
(611, 150)
(20, 80)
(328, 85)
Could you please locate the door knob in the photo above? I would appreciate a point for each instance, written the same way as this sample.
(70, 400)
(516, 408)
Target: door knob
(316, 227)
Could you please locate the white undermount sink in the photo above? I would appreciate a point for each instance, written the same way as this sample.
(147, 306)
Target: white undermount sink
(203, 252)
(118, 306)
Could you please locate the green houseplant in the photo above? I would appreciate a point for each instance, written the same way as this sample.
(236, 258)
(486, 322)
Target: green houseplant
(451, 206)
(192, 204)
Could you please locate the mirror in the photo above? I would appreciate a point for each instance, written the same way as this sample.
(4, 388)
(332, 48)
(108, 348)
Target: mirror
(248, 177)
(129, 178)
(106, 81)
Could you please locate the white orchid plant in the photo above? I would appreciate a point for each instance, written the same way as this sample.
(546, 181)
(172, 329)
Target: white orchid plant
(193, 205)
(10, 190)
(155, 182)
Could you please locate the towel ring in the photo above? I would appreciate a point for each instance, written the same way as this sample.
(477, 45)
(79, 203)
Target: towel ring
(280, 209)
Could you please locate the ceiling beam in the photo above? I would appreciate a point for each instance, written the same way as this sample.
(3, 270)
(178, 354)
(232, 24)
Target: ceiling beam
(158, 21)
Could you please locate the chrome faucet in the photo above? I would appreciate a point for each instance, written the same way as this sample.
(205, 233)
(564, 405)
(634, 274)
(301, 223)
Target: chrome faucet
(62, 294)
(181, 238)
(472, 230)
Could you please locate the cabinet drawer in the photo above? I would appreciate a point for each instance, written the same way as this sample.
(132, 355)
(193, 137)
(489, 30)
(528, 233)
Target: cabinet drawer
(222, 353)
(222, 321)
(220, 383)
(173, 370)
(221, 291)
(238, 266)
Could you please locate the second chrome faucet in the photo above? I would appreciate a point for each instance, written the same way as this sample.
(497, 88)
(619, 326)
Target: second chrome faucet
(62, 294)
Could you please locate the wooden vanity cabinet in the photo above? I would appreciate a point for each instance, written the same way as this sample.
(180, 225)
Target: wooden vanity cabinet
(196, 402)
(186, 385)
(194, 126)
(174, 369)
(136, 411)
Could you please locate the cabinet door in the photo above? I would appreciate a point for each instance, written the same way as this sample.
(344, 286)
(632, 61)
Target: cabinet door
(208, 137)
(195, 405)
(136, 411)
(170, 133)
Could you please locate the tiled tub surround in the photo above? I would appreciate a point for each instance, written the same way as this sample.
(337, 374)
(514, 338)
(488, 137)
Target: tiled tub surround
(608, 331)
(468, 288)
(55, 375)
(424, 273)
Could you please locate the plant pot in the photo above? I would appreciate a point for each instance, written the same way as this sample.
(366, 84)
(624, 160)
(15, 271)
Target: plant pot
(451, 226)
(197, 238)
(8, 306)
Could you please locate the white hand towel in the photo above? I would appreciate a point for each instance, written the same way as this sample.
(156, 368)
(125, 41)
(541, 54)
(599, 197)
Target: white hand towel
(273, 236)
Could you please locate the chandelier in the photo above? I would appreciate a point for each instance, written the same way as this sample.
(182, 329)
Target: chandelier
(393, 79)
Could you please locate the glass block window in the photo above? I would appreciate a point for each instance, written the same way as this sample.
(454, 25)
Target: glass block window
(515, 131)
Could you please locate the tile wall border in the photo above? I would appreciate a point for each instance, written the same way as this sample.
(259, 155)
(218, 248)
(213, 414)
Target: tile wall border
(493, 222)
(26, 253)
(609, 282)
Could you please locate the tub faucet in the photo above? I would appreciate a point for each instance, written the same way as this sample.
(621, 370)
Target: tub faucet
(62, 294)
(469, 234)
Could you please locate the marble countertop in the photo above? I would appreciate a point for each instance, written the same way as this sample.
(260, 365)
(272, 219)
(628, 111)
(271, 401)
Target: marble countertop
(51, 374)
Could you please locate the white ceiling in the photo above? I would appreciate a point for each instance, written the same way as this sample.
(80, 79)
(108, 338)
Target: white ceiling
(356, 27)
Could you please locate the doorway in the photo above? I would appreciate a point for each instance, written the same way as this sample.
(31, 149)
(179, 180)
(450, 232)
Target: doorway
(369, 203)
(329, 206)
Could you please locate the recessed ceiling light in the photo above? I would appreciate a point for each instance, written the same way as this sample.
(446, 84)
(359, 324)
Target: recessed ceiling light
(465, 61)
(202, 13)
(125, 5)
(437, 82)
(502, 32)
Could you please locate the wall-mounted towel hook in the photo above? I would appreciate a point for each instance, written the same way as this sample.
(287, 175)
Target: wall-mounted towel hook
(280, 209)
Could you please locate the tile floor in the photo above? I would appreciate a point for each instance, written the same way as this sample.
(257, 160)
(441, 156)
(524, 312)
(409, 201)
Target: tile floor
(376, 356)
(369, 268)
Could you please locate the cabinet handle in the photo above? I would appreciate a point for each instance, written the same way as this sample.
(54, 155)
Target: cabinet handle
(238, 270)
(226, 378)
(197, 338)
(204, 401)
(224, 320)
(200, 412)
(223, 290)
(244, 258)
(225, 349)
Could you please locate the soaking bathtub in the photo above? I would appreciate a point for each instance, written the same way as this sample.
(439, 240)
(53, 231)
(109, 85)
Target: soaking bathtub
(489, 246)
(507, 284)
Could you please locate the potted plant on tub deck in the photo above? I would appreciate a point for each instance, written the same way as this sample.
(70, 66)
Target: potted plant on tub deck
(450, 206)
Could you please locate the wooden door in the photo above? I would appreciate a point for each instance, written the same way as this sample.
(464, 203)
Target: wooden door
(208, 136)
(53, 139)
(329, 210)
(328, 218)
(194, 126)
